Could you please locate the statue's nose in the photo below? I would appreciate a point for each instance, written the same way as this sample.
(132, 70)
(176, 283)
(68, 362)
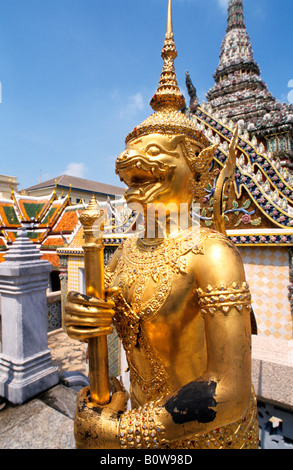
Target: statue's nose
(122, 156)
(128, 153)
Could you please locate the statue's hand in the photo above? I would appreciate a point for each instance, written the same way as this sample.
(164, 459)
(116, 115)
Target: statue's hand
(97, 427)
(88, 317)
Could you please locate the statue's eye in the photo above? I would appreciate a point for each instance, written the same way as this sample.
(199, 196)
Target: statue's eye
(153, 150)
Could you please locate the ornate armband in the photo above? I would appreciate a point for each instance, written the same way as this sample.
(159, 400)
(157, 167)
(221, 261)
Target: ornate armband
(140, 428)
(224, 298)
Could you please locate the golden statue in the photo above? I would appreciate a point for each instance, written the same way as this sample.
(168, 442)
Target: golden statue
(177, 296)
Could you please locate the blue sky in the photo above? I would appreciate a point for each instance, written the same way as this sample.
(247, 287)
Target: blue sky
(77, 75)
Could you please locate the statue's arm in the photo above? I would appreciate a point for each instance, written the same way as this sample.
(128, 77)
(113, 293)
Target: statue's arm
(217, 398)
(88, 317)
(221, 396)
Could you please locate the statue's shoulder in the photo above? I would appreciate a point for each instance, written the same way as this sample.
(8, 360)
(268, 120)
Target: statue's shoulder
(221, 259)
(212, 238)
(205, 239)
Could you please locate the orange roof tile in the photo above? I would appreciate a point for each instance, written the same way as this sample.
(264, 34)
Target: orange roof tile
(67, 222)
(52, 258)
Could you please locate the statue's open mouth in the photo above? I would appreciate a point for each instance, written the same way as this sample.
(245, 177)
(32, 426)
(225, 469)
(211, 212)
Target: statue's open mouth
(144, 177)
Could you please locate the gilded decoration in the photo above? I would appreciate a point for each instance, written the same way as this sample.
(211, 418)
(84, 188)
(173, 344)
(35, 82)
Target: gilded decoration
(224, 298)
(176, 294)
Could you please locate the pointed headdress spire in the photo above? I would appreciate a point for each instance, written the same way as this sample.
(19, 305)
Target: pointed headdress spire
(169, 19)
(168, 100)
(168, 92)
(170, 120)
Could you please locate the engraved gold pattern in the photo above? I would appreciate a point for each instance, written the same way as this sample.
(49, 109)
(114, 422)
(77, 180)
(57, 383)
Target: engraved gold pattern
(139, 263)
(131, 331)
(140, 429)
(224, 298)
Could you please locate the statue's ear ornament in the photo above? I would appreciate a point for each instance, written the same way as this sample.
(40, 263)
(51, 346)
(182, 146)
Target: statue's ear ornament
(227, 175)
(202, 175)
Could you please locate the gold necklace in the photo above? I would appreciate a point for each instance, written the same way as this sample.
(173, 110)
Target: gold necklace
(141, 261)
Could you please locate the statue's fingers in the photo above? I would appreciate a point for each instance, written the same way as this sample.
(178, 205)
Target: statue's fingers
(88, 301)
(117, 403)
(112, 291)
(89, 311)
(84, 334)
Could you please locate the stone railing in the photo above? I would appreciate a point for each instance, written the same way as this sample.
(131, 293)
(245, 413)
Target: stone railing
(54, 310)
(272, 376)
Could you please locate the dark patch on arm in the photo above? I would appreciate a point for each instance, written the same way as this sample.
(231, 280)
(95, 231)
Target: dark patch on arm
(193, 402)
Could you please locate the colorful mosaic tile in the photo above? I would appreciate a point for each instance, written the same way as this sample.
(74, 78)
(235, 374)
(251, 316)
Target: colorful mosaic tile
(53, 242)
(263, 239)
(8, 216)
(50, 216)
(31, 210)
(74, 263)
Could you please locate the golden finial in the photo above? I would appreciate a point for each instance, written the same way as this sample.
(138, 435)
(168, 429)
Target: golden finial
(168, 102)
(168, 94)
(11, 187)
(169, 19)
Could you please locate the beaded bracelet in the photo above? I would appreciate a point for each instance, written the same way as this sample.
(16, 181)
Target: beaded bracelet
(140, 429)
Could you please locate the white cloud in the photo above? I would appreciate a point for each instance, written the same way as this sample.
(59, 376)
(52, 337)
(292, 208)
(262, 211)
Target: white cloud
(135, 103)
(223, 4)
(75, 169)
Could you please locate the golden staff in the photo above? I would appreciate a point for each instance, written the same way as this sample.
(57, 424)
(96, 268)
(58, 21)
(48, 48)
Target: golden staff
(94, 281)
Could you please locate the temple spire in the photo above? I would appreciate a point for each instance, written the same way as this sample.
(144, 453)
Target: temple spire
(236, 51)
(235, 15)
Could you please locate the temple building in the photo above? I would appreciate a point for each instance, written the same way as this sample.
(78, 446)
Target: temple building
(79, 189)
(7, 183)
(240, 95)
(258, 201)
(51, 215)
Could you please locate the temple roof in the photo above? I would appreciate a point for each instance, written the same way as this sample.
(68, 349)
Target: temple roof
(40, 214)
(52, 223)
(121, 223)
(68, 181)
(259, 205)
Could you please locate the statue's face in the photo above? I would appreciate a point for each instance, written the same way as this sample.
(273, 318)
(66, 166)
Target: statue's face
(155, 170)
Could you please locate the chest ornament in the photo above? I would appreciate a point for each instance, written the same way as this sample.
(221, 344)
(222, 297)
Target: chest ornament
(141, 265)
(143, 262)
